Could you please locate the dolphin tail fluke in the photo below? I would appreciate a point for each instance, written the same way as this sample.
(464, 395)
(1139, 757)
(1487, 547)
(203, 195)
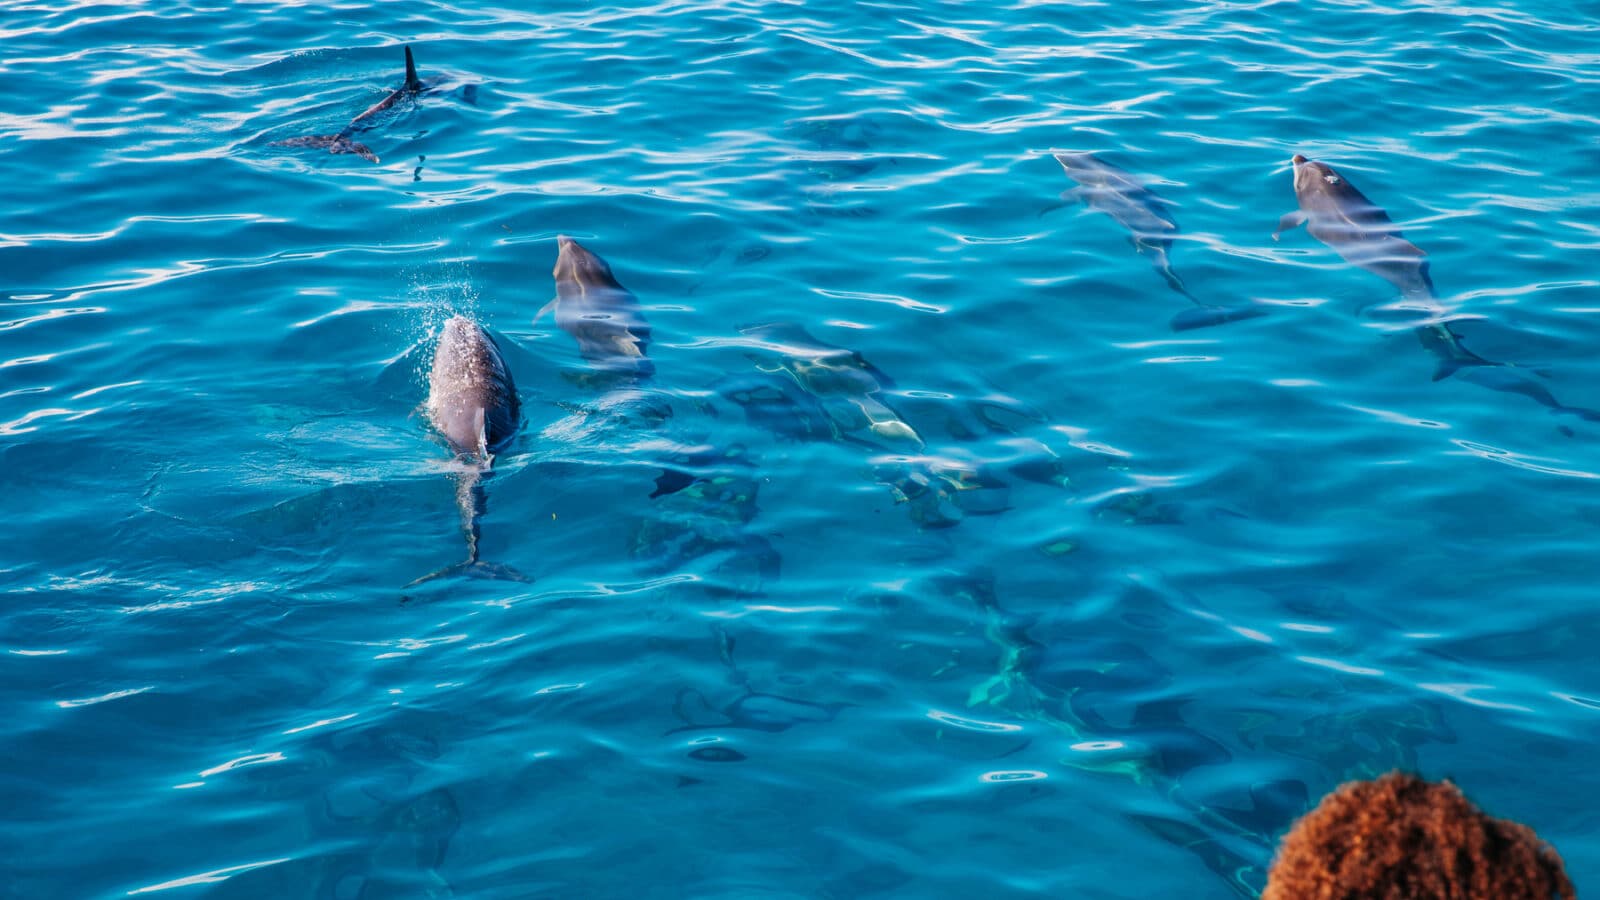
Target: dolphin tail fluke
(1446, 368)
(1069, 197)
(1440, 340)
(671, 481)
(1205, 316)
(475, 568)
(333, 143)
(413, 83)
(1450, 365)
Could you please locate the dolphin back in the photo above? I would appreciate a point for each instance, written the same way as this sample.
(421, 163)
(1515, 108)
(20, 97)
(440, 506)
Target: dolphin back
(1117, 193)
(472, 400)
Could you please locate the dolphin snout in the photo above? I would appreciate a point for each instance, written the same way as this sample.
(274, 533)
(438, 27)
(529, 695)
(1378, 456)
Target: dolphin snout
(1297, 159)
(564, 248)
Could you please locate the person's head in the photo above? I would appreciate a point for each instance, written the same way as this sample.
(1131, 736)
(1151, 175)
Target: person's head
(1402, 837)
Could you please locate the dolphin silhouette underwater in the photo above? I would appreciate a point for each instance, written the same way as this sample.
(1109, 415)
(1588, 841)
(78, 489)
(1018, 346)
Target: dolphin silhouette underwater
(1151, 227)
(344, 141)
(1340, 216)
(599, 313)
(472, 403)
(834, 393)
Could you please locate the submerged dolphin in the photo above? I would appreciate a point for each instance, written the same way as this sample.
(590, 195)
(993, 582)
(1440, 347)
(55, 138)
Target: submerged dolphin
(601, 315)
(850, 388)
(844, 397)
(344, 141)
(1144, 214)
(472, 403)
(1340, 216)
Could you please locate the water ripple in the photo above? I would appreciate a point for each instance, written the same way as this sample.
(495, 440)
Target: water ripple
(962, 543)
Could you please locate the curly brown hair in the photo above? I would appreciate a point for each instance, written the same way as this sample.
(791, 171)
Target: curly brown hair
(1402, 838)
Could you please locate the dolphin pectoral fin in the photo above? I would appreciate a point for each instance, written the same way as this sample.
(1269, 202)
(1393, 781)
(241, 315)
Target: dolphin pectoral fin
(1446, 368)
(483, 436)
(546, 308)
(1204, 316)
(1069, 197)
(475, 568)
(1289, 221)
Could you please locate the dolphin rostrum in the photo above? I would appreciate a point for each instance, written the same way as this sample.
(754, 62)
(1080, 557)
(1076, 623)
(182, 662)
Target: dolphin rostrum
(472, 403)
(1144, 214)
(601, 315)
(344, 141)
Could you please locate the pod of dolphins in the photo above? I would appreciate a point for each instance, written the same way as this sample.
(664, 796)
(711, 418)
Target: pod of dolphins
(812, 389)
(805, 389)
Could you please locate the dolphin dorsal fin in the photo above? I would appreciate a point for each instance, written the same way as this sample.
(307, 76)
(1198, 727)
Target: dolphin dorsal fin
(412, 82)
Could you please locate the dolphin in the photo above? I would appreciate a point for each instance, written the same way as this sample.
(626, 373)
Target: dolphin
(613, 336)
(344, 141)
(1070, 690)
(1144, 214)
(472, 403)
(601, 315)
(844, 397)
(849, 387)
(1339, 215)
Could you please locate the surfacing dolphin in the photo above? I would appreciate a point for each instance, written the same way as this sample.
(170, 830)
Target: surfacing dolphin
(606, 321)
(1152, 227)
(344, 141)
(601, 315)
(472, 403)
(1340, 216)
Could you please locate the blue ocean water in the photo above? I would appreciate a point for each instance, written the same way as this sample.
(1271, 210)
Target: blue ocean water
(979, 579)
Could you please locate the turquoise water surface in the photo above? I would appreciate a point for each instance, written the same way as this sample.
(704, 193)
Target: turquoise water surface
(931, 562)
